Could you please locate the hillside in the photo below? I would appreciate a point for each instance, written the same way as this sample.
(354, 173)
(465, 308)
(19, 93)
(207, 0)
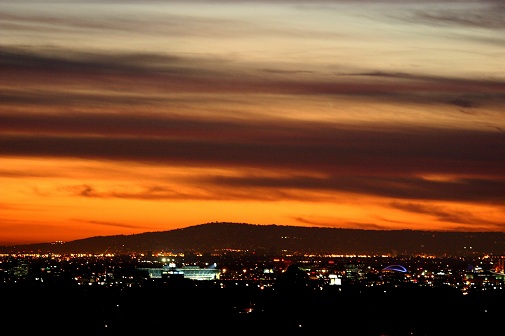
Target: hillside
(279, 239)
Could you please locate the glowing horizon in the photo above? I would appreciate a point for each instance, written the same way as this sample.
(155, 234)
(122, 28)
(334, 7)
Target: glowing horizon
(121, 117)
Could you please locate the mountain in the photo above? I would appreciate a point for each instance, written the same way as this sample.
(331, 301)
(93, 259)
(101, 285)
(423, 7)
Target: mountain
(281, 239)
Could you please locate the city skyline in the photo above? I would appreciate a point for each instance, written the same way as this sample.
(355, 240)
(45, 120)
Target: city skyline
(123, 117)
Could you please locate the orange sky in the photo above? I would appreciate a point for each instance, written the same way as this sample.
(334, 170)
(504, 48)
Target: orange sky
(123, 117)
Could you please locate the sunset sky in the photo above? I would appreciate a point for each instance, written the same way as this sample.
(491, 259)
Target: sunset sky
(122, 117)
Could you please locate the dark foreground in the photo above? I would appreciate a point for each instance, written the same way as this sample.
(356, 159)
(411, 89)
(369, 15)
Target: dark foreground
(193, 308)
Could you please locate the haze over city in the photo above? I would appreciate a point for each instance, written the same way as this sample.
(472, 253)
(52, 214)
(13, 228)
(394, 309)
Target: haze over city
(122, 117)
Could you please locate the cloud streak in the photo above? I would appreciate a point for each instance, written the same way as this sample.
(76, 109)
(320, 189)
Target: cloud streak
(445, 214)
(160, 73)
(489, 16)
(310, 147)
(112, 224)
(387, 162)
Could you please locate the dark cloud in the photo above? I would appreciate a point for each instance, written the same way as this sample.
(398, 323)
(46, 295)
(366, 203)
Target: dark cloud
(490, 15)
(463, 103)
(87, 191)
(302, 146)
(319, 156)
(444, 214)
(372, 226)
(318, 222)
(55, 100)
(141, 193)
(56, 63)
(436, 82)
(156, 73)
(461, 92)
(114, 224)
(466, 190)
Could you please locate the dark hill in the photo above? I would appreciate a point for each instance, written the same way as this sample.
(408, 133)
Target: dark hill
(281, 239)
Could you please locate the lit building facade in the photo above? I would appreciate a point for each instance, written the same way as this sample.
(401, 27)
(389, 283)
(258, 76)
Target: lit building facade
(186, 271)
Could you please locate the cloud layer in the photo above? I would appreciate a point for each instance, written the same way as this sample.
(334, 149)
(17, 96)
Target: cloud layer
(367, 114)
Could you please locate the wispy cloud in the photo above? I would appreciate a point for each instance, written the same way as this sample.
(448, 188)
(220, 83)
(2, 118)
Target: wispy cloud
(112, 224)
(332, 223)
(488, 15)
(142, 192)
(398, 187)
(448, 214)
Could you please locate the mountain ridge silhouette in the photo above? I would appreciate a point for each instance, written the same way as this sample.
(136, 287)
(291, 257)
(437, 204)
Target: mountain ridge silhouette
(215, 237)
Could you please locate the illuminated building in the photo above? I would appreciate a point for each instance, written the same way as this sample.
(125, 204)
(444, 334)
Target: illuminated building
(187, 272)
(394, 274)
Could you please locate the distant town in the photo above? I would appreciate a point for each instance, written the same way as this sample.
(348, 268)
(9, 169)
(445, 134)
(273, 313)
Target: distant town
(466, 274)
(243, 279)
(371, 295)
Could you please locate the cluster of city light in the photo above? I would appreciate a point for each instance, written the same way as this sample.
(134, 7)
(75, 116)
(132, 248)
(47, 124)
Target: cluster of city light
(323, 271)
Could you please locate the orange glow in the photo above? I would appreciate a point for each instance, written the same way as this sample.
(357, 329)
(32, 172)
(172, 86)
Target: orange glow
(372, 116)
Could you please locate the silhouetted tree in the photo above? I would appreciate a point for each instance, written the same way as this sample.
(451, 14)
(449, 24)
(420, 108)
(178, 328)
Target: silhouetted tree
(292, 279)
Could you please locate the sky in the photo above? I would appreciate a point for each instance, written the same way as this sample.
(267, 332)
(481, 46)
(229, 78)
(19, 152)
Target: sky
(123, 117)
